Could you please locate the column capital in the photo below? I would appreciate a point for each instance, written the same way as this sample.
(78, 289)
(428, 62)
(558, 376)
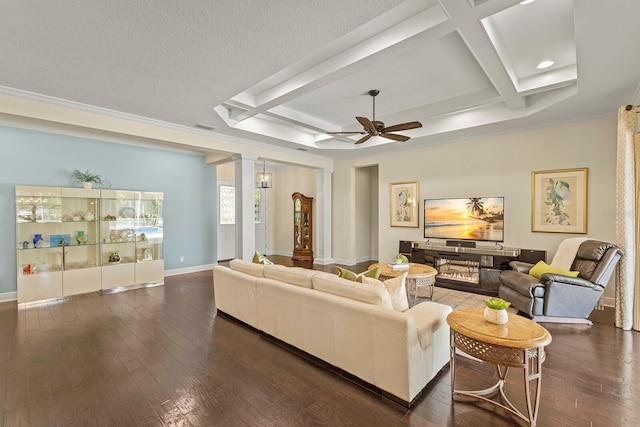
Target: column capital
(240, 156)
(324, 171)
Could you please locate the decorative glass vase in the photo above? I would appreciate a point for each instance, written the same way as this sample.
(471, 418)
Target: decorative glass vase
(36, 239)
(499, 317)
(81, 238)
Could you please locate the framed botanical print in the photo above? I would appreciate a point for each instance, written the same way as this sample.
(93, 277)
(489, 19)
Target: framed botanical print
(559, 201)
(404, 203)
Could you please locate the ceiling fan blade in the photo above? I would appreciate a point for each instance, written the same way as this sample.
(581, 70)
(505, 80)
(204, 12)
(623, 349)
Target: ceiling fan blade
(367, 124)
(395, 137)
(363, 139)
(402, 126)
(345, 133)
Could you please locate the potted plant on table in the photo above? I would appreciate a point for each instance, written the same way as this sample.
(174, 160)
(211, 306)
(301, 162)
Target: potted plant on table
(401, 259)
(496, 311)
(87, 179)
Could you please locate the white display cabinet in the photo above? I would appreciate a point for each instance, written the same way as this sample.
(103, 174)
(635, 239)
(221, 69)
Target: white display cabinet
(117, 231)
(38, 215)
(72, 241)
(80, 254)
(57, 247)
(149, 237)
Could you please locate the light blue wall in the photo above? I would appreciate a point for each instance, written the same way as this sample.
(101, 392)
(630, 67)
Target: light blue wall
(46, 159)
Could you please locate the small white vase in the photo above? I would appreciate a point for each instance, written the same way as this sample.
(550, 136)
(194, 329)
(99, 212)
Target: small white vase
(499, 317)
(87, 185)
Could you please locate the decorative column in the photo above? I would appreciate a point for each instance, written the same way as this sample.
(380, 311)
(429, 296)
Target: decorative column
(322, 217)
(245, 215)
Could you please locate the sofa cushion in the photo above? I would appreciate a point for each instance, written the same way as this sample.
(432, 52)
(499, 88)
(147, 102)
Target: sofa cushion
(398, 291)
(247, 267)
(350, 275)
(396, 287)
(258, 258)
(362, 292)
(371, 282)
(292, 275)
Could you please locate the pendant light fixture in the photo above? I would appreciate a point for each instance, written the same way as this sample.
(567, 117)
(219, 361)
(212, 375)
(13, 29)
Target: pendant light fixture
(264, 179)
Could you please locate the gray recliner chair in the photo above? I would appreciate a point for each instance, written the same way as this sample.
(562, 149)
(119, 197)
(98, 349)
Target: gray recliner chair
(557, 298)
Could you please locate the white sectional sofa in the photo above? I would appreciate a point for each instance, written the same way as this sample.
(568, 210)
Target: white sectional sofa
(349, 325)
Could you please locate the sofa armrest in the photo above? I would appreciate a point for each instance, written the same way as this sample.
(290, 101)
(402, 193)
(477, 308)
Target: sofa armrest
(521, 267)
(549, 278)
(428, 317)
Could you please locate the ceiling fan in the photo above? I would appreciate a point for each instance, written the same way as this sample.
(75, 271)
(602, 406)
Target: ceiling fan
(376, 128)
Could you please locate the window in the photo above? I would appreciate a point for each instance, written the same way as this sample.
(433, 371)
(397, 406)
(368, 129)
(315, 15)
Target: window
(257, 194)
(228, 205)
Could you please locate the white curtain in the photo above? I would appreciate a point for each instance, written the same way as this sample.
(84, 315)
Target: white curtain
(627, 226)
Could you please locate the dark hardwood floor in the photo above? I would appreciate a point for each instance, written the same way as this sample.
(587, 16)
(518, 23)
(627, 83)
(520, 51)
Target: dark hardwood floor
(161, 356)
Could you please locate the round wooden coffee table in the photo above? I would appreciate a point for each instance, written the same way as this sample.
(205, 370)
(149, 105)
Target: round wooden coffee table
(419, 275)
(519, 344)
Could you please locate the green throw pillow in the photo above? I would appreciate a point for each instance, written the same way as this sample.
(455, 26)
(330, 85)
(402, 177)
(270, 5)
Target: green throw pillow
(258, 258)
(542, 267)
(350, 275)
(346, 274)
(373, 273)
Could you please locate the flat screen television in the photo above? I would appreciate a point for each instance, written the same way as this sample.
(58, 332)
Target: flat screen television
(473, 218)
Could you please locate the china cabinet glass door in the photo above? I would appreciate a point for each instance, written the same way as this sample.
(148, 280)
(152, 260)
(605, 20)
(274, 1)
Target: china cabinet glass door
(302, 227)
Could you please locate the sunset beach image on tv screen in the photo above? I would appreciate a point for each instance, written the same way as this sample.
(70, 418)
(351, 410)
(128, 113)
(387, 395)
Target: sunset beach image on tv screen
(474, 218)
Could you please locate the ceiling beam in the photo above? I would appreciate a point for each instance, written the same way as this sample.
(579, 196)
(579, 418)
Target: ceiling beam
(472, 32)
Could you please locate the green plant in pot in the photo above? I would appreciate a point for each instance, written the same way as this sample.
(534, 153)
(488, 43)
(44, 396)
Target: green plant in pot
(495, 310)
(401, 259)
(87, 179)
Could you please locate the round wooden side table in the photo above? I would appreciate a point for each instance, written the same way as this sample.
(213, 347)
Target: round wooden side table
(517, 344)
(419, 275)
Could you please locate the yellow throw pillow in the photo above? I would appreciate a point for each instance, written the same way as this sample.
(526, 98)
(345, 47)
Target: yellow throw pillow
(346, 274)
(542, 267)
(373, 273)
(258, 258)
(350, 275)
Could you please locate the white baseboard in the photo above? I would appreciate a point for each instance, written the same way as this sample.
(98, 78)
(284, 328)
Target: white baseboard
(344, 261)
(366, 258)
(283, 253)
(13, 296)
(186, 270)
(9, 296)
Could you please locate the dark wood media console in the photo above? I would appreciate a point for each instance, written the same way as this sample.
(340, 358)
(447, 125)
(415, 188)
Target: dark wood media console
(467, 268)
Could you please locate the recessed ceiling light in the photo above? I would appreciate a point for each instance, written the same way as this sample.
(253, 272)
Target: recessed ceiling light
(544, 64)
(527, 1)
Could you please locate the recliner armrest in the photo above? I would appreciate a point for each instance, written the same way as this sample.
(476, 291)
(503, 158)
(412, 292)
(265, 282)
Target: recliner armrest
(549, 278)
(521, 267)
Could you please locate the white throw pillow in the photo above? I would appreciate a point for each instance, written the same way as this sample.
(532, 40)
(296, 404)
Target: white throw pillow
(398, 291)
(371, 281)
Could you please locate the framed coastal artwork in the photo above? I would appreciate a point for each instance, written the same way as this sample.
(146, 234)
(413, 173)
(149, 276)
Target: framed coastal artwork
(559, 201)
(404, 203)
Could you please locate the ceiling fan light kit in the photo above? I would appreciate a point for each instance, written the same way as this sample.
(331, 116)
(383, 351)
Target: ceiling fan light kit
(376, 128)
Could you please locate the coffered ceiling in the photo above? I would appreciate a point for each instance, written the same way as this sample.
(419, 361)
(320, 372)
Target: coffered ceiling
(287, 72)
